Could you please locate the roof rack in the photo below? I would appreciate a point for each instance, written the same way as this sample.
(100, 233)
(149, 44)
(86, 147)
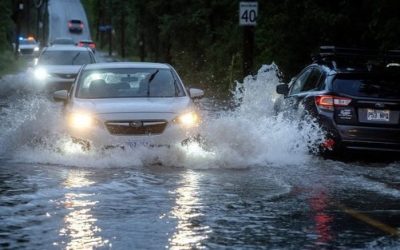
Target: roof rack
(351, 57)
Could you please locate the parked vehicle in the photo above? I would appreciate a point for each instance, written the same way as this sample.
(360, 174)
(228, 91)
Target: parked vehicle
(75, 26)
(57, 66)
(126, 104)
(87, 43)
(354, 96)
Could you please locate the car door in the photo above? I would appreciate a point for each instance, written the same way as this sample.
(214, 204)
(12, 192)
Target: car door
(307, 81)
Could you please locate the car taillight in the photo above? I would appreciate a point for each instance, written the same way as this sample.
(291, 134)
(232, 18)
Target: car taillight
(330, 102)
(92, 45)
(69, 25)
(81, 26)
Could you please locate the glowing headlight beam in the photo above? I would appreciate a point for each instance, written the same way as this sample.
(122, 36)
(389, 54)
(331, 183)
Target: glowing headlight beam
(40, 74)
(189, 119)
(80, 120)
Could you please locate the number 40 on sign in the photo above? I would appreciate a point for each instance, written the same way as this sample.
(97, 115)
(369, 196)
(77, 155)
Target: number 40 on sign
(248, 12)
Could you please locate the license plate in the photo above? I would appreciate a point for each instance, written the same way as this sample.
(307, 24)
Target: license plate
(134, 144)
(378, 115)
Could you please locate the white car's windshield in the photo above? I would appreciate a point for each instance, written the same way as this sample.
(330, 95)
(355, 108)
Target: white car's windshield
(65, 57)
(128, 82)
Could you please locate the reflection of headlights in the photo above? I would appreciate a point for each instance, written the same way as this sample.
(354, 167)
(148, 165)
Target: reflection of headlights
(189, 119)
(80, 120)
(36, 49)
(41, 74)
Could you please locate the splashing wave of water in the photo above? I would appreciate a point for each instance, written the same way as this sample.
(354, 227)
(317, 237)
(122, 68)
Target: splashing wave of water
(32, 130)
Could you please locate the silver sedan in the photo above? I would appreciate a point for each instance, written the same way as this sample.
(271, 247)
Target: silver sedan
(130, 104)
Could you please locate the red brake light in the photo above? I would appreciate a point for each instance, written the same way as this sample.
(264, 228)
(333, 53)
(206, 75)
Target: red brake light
(329, 102)
(70, 25)
(81, 25)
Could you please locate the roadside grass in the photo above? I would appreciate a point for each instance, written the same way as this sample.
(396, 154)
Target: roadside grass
(10, 65)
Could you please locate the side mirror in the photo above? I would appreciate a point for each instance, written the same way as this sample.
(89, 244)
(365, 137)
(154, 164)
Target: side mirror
(282, 89)
(196, 93)
(60, 95)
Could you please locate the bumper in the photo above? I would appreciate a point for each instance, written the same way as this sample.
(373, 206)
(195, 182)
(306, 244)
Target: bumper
(100, 137)
(369, 138)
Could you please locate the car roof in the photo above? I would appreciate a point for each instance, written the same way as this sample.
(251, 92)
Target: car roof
(116, 65)
(66, 47)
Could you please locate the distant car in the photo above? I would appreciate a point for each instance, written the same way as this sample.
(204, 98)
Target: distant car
(63, 41)
(129, 104)
(87, 43)
(353, 94)
(57, 67)
(75, 26)
(28, 47)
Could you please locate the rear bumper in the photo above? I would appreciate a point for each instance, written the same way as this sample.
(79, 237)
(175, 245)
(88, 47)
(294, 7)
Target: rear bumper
(369, 138)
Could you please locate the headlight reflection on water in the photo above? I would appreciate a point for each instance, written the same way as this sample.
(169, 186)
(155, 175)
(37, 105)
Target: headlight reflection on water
(80, 229)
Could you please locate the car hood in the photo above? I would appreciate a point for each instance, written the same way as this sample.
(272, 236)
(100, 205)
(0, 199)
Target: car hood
(63, 69)
(133, 105)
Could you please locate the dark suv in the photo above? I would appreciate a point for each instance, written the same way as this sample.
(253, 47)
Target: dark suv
(354, 96)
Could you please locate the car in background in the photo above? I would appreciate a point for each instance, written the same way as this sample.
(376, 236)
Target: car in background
(57, 66)
(63, 41)
(126, 104)
(75, 26)
(28, 47)
(87, 43)
(354, 95)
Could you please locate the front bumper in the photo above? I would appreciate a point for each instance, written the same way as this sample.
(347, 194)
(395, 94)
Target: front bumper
(100, 137)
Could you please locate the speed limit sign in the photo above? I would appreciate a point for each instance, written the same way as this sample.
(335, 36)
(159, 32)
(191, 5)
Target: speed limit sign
(248, 12)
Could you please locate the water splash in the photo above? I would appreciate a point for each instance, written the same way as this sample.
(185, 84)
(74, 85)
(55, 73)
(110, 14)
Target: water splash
(250, 134)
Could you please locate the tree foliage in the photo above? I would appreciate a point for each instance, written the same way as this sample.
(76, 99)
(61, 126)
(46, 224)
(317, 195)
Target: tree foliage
(203, 40)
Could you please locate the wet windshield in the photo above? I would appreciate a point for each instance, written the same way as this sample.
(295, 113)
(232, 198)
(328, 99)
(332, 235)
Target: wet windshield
(132, 82)
(66, 57)
(27, 42)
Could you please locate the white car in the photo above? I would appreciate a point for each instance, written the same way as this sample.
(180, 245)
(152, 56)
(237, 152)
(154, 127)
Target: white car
(57, 66)
(129, 104)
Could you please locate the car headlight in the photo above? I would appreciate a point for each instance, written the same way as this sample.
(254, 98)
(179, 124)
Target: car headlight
(41, 74)
(36, 49)
(80, 120)
(189, 119)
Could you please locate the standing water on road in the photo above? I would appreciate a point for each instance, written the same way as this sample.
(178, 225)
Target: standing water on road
(254, 184)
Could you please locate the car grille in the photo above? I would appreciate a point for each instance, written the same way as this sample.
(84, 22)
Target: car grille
(136, 127)
(26, 51)
(65, 76)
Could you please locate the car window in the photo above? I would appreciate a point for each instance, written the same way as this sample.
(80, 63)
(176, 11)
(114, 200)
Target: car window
(65, 57)
(312, 81)
(297, 85)
(134, 82)
(368, 85)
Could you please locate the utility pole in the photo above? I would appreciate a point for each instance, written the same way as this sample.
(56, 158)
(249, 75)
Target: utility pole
(20, 7)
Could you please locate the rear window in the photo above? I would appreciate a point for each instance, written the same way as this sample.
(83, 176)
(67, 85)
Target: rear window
(382, 85)
(76, 21)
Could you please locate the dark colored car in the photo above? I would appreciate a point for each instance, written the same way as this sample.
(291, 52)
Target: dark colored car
(87, 43)
(75, 26)
(354, 96)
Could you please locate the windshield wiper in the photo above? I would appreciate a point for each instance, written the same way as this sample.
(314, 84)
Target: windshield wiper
(151, 78)
(75, 57)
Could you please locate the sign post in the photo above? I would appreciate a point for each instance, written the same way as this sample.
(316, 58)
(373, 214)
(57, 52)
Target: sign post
(248, 12)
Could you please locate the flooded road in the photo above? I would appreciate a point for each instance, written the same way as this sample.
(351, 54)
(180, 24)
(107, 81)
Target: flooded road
(255, 185)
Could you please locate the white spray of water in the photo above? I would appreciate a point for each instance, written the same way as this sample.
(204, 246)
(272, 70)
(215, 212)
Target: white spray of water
(251, 134)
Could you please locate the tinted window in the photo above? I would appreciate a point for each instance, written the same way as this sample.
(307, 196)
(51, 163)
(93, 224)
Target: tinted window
(26, 42)
(312, 80)
(65, 57)
(299, 82)
(368, 85)
(131, 82)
